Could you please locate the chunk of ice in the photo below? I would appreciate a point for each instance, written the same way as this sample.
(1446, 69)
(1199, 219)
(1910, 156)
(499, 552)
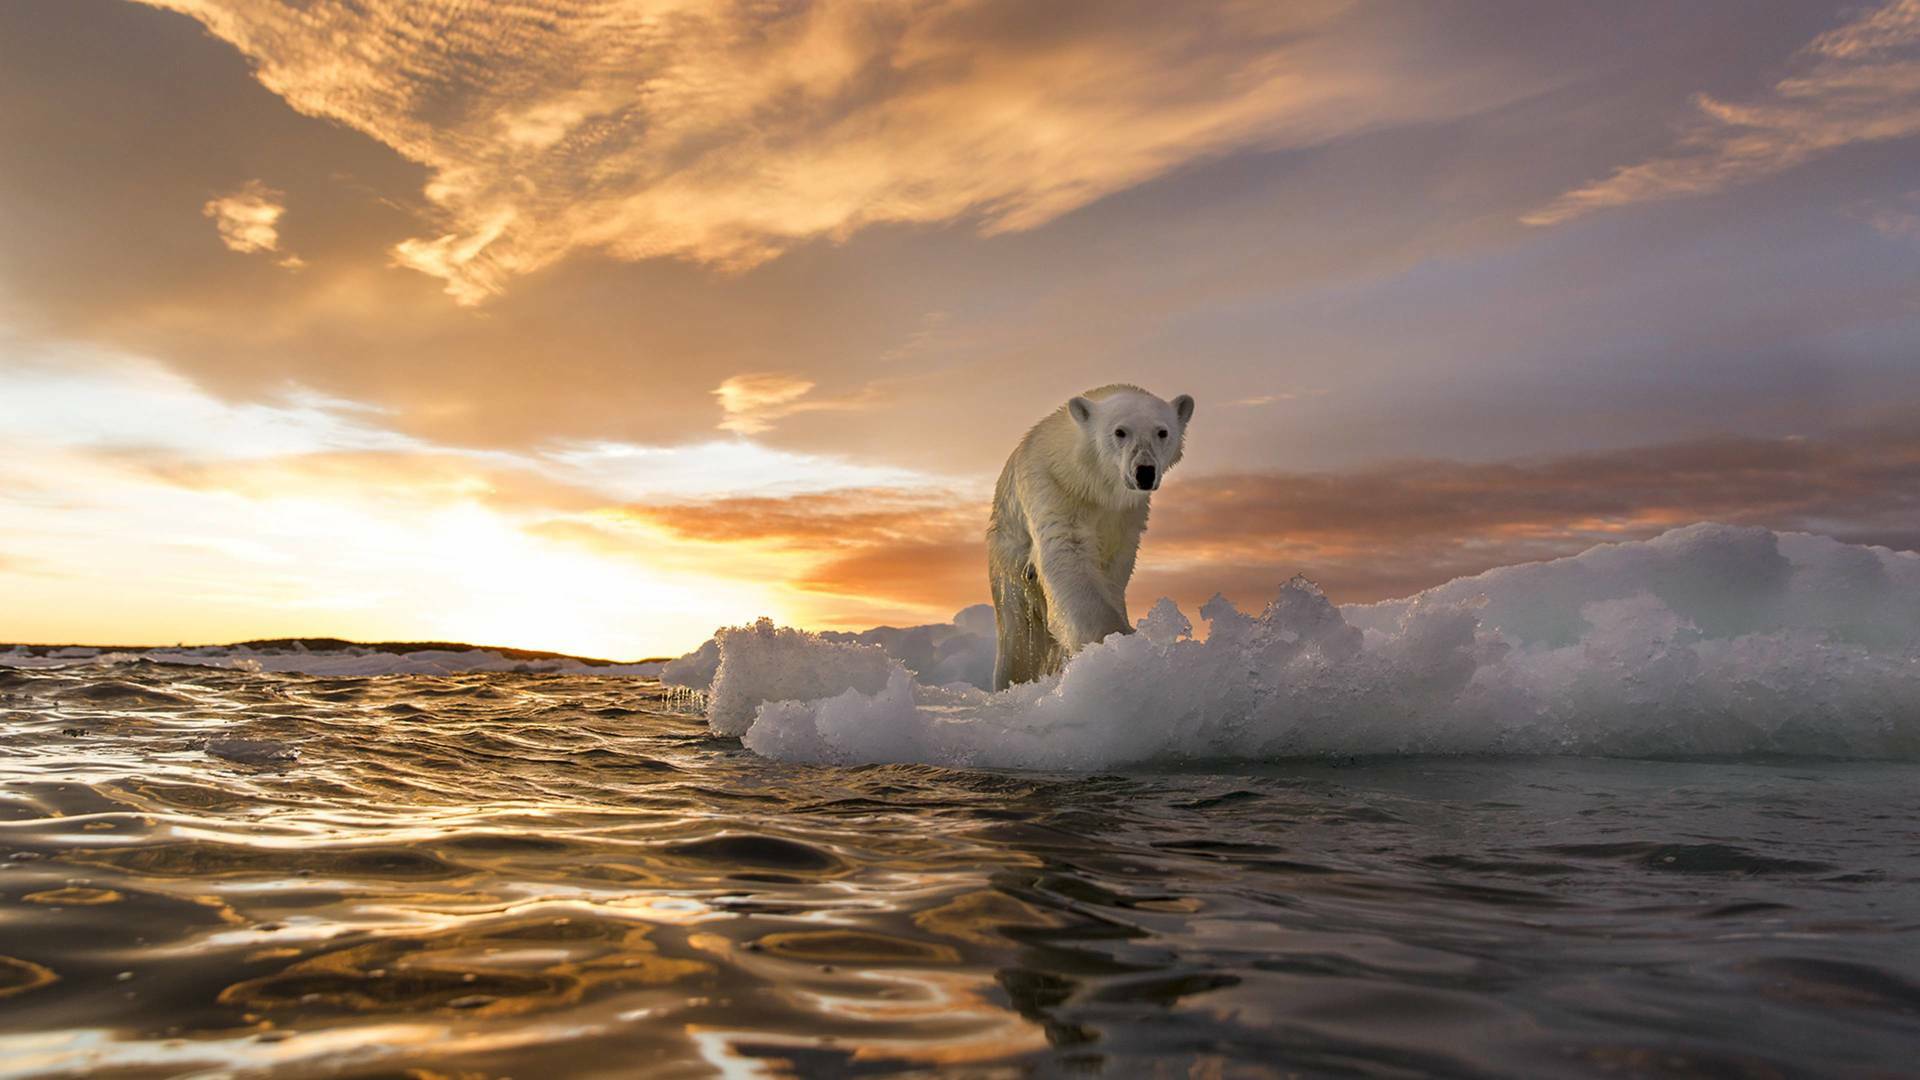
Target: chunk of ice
(1709, 640)
(761, 663)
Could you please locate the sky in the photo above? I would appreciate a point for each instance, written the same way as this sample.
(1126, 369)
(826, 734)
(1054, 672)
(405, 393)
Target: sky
(594, 326)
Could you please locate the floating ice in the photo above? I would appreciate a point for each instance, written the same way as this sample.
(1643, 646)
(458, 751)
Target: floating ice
(1709, 640)
(760, 662)
(936, 654)
(696, 669)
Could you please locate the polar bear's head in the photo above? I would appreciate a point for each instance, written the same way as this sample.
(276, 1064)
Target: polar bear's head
(1132, 436)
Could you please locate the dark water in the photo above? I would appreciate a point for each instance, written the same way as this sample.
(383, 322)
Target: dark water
(537, 876)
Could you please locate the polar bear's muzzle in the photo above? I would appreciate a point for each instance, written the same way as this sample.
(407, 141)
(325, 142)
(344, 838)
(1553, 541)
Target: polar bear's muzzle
(1145, 476)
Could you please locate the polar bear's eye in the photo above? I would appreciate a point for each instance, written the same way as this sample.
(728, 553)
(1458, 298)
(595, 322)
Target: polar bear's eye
(1119, 433)
(1163, 433)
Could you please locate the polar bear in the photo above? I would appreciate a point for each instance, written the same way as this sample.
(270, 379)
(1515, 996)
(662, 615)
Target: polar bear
(1067, 517)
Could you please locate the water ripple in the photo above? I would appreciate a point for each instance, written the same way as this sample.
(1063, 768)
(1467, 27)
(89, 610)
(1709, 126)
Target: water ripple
(526, 874)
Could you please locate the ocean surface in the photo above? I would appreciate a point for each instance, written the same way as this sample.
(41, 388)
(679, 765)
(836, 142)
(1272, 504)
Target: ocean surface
(210, 872)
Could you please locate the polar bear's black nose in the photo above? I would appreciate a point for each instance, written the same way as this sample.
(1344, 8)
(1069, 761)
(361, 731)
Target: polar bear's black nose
(1143, 477)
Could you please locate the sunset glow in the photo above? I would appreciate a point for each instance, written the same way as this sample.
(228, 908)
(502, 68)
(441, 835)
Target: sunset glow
(592, 329)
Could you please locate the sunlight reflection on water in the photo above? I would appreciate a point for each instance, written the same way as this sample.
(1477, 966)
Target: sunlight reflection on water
(538, 875)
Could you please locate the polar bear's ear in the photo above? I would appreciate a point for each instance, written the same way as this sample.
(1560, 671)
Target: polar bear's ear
(1183, 407)
(1080, 409)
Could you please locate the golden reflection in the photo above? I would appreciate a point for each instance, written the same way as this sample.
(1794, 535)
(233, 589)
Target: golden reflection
(980, 917)
(622, 873)
(949, 1012)
(673, 910)
(19, 976)
(221, 908)
(504, 968)
(75, 896)
(855, 947)
(93, 1051)
(197, 859)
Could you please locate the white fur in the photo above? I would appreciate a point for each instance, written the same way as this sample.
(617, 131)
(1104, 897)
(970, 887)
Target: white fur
(1066, 524)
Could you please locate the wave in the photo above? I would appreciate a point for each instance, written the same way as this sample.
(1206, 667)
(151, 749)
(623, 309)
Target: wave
(1709, 640)
(338, 659)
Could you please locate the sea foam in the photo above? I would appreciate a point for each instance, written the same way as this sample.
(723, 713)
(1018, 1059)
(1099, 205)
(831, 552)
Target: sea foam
(1710, 640)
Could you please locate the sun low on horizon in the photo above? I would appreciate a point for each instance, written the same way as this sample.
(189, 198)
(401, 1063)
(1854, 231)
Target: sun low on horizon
(591, 328)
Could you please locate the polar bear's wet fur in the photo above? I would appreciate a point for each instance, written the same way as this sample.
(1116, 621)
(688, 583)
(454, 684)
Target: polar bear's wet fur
(1067, 517)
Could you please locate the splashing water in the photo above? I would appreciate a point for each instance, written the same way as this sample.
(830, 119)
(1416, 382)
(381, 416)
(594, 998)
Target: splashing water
(1707, 641)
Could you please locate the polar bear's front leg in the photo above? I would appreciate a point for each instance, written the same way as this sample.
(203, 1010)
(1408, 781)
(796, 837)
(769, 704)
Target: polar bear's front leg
(1026, 649)
(1081, 605)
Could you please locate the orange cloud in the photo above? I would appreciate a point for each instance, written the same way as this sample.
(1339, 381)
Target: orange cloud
(751, 403)
(728, 133)
(881, 554)
(419, 478)
(827, 521)
(248, 220)
(1859, 83)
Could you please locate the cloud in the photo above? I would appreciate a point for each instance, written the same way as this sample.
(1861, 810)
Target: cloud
(137, 506)
(144, 413)
(752, 403)
(823, 520)
(1900, 219)
(236, 519)
(1859, 83)
(727, 133)
(83, 398)
(723, 468)
(887, 554)
(402, 478)
(1391, 530)
(1261, 400)
(249, 220)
